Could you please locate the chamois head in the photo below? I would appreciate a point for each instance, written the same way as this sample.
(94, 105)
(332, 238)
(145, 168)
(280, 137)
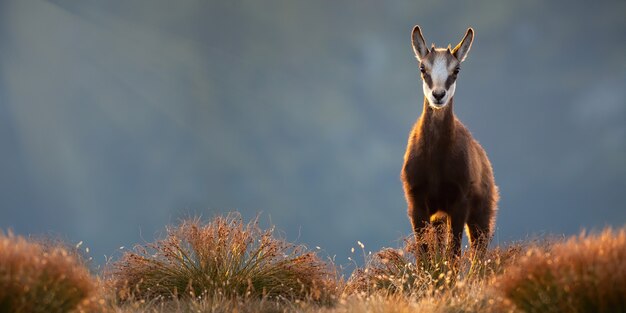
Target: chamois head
(440, 67)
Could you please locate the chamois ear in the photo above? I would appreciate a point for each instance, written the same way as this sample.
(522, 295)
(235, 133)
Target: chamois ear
(419, 44)
(461, 50)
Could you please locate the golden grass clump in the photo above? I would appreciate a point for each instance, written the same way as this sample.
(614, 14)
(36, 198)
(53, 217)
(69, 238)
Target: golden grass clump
(215, 303)
(425, 275)
(408, 270)
(378, 303)
(583, 274)
(224, 257)
(39, 278)
(424, 266)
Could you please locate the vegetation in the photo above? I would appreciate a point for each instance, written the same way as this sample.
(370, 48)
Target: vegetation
(430, 279)
(35, 277)
(408, 270)
(227, 265)
(583, 274)
(223, 257)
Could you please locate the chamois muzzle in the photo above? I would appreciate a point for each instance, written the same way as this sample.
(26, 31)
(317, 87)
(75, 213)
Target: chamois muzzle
(438, 95)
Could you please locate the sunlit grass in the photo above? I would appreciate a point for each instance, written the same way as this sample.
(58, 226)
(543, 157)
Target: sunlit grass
(583, 274)
(419, 271)
(214, 303)
(225, 257)
(226, 265)
(423, 274)
(43, 278)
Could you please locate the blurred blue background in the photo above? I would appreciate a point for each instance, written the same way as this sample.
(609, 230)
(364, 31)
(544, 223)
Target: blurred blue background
(120, 117)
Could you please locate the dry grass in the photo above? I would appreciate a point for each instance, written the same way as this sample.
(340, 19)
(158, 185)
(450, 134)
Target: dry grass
(229, 266)
(377, 302)
(43, 278)
(430, 280)
(584, 274)
(419, 272)
(212, 304)
(222, 258)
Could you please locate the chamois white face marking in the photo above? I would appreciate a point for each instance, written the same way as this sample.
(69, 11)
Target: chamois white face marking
(439, 77)
(439, 67)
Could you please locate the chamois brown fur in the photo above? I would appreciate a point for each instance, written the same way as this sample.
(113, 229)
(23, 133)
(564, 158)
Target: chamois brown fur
(447, 171)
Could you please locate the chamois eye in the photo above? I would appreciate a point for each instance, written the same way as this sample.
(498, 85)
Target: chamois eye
(456, 71)
(422, 69)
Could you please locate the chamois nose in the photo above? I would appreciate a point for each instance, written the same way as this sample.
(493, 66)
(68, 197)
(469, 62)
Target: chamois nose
(439, 94)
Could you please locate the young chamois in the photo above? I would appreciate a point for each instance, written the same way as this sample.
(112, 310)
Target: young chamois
(446, 172)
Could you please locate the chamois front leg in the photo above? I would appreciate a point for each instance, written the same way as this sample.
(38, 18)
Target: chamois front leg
(457, 219)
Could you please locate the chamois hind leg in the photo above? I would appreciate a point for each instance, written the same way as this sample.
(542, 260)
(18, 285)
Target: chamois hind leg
(479, 230)
(420, 218)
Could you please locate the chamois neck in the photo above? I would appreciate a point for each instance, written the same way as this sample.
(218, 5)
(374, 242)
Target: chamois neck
(440, 121)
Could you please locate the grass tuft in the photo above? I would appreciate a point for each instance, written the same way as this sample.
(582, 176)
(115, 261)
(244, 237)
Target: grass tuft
(213, 304)
(583, 274)
(224, 257)
(424, 275)
(43, 278)
(424, 266)
(226, 265)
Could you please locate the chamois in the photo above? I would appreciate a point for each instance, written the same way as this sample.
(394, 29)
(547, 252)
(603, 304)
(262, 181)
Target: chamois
(445, 169)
